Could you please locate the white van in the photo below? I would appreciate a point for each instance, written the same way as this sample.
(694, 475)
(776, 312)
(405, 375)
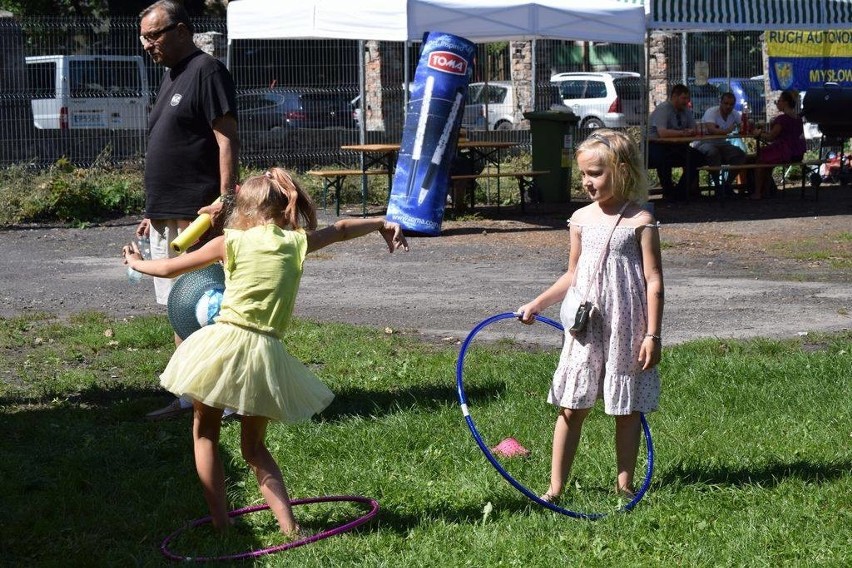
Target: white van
(89, 91)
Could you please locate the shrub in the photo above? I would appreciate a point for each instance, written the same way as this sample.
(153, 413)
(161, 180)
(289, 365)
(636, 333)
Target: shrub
(68, 194)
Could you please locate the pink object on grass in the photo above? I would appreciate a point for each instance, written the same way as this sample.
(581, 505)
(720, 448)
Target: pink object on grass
(510, 448)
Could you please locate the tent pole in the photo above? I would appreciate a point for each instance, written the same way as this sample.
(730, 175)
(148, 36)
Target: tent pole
(646, 99)
(406, 74)
(362, 134)
(534, 77)
(728, 58)
(684, 69)
(362, 88)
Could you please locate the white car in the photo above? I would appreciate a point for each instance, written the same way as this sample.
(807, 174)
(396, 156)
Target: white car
(612, 99)
(498, 97)
(89, 92)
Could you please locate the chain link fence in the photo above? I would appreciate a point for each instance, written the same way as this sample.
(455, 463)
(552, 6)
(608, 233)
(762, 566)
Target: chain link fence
(299, 100)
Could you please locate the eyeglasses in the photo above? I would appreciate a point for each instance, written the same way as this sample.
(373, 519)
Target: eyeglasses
(152, 37)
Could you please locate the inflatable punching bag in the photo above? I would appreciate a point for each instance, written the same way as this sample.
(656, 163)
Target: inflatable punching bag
(429, 137)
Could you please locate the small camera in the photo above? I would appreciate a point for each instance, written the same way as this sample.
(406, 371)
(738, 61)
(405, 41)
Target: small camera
(581, 318)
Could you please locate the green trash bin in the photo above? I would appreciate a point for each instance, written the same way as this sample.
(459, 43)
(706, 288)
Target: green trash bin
(553, 134)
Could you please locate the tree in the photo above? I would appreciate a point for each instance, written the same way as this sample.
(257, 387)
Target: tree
(103, 8)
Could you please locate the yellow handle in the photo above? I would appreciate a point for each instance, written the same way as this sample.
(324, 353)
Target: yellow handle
(192, 233)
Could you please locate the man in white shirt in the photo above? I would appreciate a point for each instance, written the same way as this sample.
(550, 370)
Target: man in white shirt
(721, 119)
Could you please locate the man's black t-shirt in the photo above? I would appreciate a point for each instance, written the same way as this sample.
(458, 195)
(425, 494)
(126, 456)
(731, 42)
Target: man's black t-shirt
(182, 162)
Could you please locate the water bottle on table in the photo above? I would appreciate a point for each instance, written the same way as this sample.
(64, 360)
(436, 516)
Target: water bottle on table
(745, 127)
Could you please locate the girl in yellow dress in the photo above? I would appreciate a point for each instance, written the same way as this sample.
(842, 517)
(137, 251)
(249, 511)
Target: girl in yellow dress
(240, 362)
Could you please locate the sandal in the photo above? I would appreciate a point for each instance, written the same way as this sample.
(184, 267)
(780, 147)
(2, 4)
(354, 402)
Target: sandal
(548, 497)
(625, 493)
(299, 533)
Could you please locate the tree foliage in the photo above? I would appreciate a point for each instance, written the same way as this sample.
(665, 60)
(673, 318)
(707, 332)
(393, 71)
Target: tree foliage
(102, 8)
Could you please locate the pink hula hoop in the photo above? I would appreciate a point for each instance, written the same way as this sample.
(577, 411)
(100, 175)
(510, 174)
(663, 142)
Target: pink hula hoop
(372, 503)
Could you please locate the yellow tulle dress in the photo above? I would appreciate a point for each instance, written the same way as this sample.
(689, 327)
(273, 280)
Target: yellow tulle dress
(239, 362)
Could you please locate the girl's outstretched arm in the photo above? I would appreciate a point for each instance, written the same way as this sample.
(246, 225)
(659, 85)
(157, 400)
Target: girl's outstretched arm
(346, 229)
(171, 267)
(649, 241)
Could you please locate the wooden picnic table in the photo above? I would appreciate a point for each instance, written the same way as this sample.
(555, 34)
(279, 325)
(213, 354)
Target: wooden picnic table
(381, 158)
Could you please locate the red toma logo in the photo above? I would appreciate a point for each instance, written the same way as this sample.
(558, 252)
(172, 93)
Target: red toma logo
(447, 62)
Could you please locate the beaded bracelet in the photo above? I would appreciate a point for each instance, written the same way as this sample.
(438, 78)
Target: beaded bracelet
(655, 337)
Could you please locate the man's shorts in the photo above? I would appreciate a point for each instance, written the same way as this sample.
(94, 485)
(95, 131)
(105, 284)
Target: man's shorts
(163, 232)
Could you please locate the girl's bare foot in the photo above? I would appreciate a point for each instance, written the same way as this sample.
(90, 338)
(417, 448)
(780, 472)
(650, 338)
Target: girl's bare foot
(223, 527)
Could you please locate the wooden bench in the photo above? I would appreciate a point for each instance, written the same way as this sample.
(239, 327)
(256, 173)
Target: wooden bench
(334, 178)
(807, 168)
(526, 181)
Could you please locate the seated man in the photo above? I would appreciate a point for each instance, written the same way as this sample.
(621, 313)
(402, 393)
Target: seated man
(464, 163)
(721, 119)
(673, 118)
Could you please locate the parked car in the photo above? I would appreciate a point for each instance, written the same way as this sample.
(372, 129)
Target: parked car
(612, 99)
(750, 91)
(702, 97)
(88, 92)
(394, 109)
(269, 109)
(548, 97)
(498, 97)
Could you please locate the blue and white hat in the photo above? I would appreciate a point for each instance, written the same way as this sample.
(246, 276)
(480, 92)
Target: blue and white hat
(195, 299)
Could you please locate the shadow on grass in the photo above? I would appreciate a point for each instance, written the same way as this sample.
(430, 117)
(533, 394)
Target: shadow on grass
(376, 403)
(91, 466)
(401, 523)
(768, 475)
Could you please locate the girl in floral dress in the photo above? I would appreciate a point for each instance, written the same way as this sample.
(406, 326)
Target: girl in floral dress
(615, 357)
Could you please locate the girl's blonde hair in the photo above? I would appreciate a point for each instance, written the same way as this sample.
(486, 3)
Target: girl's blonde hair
(621, 155)
(273, 197)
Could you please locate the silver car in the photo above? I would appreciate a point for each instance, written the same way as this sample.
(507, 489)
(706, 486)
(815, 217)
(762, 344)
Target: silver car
(612, 99)
(498, 97)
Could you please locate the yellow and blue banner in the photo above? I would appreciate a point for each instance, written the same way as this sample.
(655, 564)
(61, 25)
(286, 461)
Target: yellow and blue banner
(800, 59)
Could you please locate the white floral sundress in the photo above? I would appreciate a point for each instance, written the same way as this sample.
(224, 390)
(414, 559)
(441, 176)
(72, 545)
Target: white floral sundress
(602, 362)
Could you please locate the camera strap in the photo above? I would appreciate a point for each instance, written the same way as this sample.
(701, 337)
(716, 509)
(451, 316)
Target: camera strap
(597, 267)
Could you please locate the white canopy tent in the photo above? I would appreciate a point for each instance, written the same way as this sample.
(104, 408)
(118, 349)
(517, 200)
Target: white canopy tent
(479, 21)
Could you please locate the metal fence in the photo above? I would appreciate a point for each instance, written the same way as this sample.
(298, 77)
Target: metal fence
(299, 100)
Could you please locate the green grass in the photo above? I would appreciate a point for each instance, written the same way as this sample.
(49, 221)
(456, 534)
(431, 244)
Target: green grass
(752, 454)
(835, 250)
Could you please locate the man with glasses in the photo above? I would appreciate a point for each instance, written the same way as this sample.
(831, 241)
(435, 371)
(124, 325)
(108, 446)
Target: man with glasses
(721, 119)
(672, 119)
(192, 140)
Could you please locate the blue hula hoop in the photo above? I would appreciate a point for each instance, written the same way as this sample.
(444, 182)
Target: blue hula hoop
(649, 444)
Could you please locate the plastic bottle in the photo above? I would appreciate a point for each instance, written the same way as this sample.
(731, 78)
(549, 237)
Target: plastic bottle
(144, 244)
(745, 128)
